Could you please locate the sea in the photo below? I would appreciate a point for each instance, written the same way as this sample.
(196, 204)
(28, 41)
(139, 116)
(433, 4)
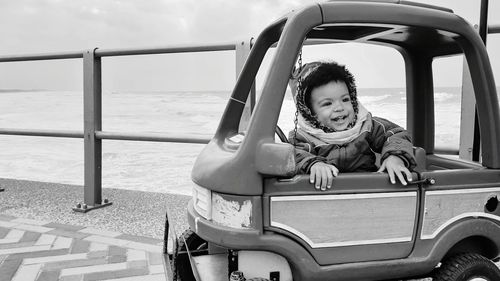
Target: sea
(155, 166)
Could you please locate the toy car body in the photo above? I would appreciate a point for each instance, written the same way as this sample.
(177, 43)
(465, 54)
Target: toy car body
(261, 219)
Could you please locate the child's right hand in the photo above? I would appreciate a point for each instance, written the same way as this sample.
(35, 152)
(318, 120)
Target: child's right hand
(322, 175)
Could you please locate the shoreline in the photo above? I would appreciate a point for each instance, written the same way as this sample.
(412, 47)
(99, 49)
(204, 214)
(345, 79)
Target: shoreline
(140, 213)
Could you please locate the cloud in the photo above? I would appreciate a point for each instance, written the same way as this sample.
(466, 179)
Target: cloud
(241, 19)
(41, 26)
(56, 25)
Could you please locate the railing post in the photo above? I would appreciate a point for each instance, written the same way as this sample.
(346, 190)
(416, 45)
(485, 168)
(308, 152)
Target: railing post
(242, 51)
(92, 113)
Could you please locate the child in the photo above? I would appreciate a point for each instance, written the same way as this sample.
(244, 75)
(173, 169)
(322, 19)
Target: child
(335, 133)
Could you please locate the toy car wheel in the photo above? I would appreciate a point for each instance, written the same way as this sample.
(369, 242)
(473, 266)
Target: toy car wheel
(467, 267)
(194, 243)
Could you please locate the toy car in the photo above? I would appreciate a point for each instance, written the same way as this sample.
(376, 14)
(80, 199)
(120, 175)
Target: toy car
(252, 217)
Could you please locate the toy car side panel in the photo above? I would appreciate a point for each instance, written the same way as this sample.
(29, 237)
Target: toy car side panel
(302, 263)
(458, 198)
(364, 217)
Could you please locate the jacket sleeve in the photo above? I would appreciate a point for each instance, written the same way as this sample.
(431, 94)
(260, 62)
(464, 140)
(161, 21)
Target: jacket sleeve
(304, 154)
(391, 139)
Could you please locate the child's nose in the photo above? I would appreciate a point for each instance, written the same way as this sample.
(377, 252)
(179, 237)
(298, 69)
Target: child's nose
(337, 106)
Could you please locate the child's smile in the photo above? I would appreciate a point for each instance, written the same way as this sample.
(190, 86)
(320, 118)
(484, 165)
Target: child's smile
(339, 119)
(332, 105)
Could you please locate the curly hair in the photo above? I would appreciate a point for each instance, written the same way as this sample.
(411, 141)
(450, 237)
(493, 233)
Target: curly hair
(322, 74)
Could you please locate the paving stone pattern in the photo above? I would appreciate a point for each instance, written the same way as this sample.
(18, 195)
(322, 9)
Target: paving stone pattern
(44, 251)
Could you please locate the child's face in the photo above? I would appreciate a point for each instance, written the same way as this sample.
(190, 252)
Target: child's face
(332, 105)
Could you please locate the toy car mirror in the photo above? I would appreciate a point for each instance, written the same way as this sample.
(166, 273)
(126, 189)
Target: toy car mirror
(276, 159)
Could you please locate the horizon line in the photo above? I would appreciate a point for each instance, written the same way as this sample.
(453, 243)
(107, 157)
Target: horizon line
(182, 91)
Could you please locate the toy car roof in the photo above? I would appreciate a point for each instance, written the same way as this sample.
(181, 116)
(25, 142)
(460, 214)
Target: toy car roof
(419, 32)
(389, 22)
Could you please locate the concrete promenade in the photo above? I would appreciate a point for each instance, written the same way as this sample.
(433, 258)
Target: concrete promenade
(41, 238)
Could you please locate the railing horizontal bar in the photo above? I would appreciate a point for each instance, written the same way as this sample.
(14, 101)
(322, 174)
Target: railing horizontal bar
(123, 52)
(107, 135)
(494, 29)
(151, 137)
(140, 137)
(35, 57)
(41, 133)
(165, 50)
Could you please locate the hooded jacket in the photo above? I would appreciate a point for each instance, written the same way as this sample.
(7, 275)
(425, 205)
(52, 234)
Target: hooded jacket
(352, 150)
(359, 155)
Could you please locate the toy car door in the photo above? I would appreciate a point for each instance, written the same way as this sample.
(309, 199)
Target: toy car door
(363, 217)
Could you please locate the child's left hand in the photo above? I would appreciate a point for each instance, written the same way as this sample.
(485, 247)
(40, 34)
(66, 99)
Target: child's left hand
(395, 166)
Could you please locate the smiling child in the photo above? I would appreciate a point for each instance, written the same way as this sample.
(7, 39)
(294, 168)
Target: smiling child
(335, 133)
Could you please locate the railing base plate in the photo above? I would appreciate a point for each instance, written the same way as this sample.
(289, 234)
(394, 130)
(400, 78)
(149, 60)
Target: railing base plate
(85, 208)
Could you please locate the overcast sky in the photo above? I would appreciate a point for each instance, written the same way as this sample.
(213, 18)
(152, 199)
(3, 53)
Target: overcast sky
(41, 26)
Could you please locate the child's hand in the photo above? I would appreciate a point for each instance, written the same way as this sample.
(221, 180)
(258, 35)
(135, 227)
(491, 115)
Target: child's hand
(322, 175)
(395, 165)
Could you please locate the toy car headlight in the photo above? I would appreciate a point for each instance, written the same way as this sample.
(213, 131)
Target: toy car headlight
(202, 201)
(222, 209)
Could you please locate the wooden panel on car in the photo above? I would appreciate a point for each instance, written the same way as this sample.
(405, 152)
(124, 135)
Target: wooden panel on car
(444, 207)
(346, 219)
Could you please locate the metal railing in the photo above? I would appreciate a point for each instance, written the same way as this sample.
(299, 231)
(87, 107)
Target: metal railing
(92, 111)
(92, 92)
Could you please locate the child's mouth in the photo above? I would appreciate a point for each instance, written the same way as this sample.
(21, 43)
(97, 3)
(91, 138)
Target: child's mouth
(339, 118)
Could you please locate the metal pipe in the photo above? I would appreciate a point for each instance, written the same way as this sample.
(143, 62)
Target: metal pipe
(483, 32)
(483, 20)
(165, 50)
(151, 137)
(494, 29)
(92, 122)
(35, 57)
(123, 52)
(155, 137)
(41, 133)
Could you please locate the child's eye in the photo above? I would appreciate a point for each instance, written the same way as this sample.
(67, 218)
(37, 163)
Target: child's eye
(346, 99)
(326, 104)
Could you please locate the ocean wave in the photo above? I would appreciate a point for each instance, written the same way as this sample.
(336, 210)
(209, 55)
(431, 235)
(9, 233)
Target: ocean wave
(149, 166)
(443, 96)
(372, 99)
